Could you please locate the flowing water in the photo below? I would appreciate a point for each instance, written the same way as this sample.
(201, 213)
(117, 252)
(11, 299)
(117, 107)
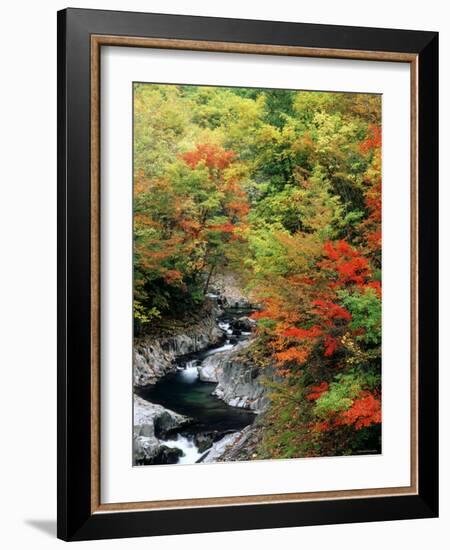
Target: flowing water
(184, 393)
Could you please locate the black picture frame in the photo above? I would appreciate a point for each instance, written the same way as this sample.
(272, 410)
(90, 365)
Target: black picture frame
(75, 518)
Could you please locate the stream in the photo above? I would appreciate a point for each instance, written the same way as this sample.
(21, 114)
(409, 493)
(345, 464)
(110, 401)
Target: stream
(184, 393)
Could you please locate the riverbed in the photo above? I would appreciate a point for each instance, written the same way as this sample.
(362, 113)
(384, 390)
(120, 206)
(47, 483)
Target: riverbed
(184, 393)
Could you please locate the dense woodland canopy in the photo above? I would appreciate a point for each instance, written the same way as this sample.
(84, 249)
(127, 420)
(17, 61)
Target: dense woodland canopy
(284, 189)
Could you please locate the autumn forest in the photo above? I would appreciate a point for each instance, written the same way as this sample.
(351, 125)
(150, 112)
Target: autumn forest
(257, 211)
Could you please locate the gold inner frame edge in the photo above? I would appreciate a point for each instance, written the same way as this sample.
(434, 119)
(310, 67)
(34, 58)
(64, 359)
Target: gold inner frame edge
(97, 41)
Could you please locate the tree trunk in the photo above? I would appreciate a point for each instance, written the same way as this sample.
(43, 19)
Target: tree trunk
(209, 278)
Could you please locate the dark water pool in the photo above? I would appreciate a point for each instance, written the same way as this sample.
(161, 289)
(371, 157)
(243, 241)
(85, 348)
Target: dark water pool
(185, 394)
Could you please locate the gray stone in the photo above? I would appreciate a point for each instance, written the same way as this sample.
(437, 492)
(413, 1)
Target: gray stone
(152, 421)
(239, 382)
(208, 370)
(204, 441)
(244, 447)
(243, 324)
(168, 455)
(229, 288)
(156, 357)
(145, 448)
(220, 447)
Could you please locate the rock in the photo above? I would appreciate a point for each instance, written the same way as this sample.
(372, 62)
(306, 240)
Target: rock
(237, 446)
(219, 448)
(167, 421)
(207, 371)
(155, 357)
(239, 382)
(151, 361)
(145, 449)
(152, 421)
(243, 324)
(241, 386)
(244, 447)
(168, 455)
(228, 287)
(148, 452)
(204, 440)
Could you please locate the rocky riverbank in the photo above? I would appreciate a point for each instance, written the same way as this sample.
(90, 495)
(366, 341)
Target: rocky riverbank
(214, 349)
(238, 446)
(152, 422)
(229, 290)
(239, 382)
(155, 355)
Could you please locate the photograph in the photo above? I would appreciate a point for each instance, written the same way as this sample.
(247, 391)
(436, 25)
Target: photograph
(257, 288)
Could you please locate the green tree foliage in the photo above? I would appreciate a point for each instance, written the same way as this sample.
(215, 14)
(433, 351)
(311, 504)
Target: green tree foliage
(365, 309)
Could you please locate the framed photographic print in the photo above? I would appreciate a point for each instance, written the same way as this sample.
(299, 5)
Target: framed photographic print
(247, 274)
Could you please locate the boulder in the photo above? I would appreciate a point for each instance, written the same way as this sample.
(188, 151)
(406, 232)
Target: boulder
(228, 287)
(151, 422)
(207, 371)
(168, 455)
(239, 381)
(151, 419)
(243, 324)
(145, 449)
(150, 451)
(220, 447)
(204, 440)
(151, 362)
(155, 357)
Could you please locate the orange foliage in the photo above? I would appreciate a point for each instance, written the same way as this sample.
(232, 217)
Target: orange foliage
(276, 309)
(321, 427)
(330, 344)
(172, 276)
(348, 265)
(296, 355)
(212, 155)
(191, 227)
(317, 391)
(366, 410)
(303, 334)
(227, 227)
(373, 141)
(376, 285)
(331, 311)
